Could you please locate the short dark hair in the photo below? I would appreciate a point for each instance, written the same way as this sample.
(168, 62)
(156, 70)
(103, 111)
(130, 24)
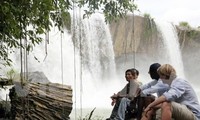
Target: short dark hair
(154, 67)
(153, 71)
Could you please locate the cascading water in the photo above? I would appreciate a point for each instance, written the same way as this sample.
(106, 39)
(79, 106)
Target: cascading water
(93, 42)
(172, 45)
(86, 73)
(93, 38)
(172, 49)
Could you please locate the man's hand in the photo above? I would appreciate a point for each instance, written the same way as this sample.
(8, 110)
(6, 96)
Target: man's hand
(147, 109)
(114, 96)
(113, 102)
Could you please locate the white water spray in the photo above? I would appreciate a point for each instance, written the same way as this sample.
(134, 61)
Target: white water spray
(171, 44)
(92, 37)
(97, 57)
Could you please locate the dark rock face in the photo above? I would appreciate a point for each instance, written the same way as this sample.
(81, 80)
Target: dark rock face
(50, 101)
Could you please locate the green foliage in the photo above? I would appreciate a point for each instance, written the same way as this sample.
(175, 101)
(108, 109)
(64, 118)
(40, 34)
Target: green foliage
(192, 34)
(22, 22)
(112, 9)
(26, 20)
(146, 15)
(149, 27)
(11, 74)
(93, 118)
(184, 24)
(89, 116)
(66, 20)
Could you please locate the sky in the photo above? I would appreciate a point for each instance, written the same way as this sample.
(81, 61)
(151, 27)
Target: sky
(174, 11)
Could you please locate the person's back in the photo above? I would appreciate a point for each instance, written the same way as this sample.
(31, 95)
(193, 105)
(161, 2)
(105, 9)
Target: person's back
(155, 86)
(179, 102)
(182, 92)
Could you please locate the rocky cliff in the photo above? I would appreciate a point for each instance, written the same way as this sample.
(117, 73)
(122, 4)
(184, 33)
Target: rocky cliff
(138, 38)
(133, 34)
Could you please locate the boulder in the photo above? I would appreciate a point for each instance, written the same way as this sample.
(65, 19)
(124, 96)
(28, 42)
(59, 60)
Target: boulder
(39, 101)
(37, 77)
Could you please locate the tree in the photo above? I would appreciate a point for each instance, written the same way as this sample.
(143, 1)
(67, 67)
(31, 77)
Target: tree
(184, 24)
(23, 21)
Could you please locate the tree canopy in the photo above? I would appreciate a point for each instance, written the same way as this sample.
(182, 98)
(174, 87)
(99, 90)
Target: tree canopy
(26, 20)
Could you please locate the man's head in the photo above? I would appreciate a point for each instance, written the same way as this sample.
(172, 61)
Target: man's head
(153, 70)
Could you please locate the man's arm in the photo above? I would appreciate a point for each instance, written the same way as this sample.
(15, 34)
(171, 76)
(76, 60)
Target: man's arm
(148, 85)
(158, 87)
(155, 103)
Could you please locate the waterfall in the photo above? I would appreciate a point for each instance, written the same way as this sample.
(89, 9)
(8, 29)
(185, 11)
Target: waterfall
(93, 39)
(93, 42)
(88, 61)
(172, 51)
